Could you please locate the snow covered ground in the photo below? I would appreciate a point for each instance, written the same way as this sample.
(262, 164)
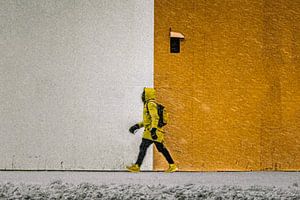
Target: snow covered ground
(149, 185)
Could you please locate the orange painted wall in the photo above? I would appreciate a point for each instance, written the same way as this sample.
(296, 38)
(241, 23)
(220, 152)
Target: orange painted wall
(233, 92)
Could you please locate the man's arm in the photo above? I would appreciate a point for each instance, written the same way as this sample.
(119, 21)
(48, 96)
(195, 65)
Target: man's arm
(141, 124)
(135, 127)
(154, 114)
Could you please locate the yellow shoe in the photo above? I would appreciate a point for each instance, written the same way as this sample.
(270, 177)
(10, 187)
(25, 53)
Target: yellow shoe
(172, 168)
(133, 168)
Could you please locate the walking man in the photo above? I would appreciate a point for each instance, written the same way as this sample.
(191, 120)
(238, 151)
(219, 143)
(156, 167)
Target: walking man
(152, 132)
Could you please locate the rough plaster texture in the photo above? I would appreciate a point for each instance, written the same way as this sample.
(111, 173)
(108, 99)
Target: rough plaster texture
(233, 92)
(71, 75)
(120, 185)
(218, 179)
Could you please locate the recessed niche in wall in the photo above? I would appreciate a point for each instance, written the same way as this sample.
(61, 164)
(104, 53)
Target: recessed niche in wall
(174, 45)
(175, 38)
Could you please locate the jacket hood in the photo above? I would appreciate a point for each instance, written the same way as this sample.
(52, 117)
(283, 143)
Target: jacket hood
(149, 94)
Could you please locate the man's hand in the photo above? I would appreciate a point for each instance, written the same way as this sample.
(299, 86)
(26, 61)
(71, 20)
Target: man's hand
(133, 128)
(153, 134)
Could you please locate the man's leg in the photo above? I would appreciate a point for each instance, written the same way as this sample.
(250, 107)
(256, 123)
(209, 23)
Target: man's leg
(143, 149)
(161, 148)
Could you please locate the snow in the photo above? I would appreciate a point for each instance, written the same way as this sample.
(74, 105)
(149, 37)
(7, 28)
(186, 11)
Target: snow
(149, 185)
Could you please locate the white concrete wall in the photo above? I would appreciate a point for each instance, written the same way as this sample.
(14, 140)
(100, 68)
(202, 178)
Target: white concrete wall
(71, 75)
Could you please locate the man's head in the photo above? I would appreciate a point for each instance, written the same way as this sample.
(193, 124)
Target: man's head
(148, 94)
(143, 96)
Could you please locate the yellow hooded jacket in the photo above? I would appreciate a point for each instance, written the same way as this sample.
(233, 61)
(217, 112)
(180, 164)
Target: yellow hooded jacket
(150, 116)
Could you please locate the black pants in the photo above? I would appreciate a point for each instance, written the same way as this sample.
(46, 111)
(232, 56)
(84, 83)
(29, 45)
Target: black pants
(160, 147)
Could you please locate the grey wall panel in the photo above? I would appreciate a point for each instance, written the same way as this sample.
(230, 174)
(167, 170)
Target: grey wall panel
(71, 75)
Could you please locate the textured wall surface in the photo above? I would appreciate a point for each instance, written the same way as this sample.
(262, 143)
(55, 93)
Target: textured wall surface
(71, 75)
(233, 92)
